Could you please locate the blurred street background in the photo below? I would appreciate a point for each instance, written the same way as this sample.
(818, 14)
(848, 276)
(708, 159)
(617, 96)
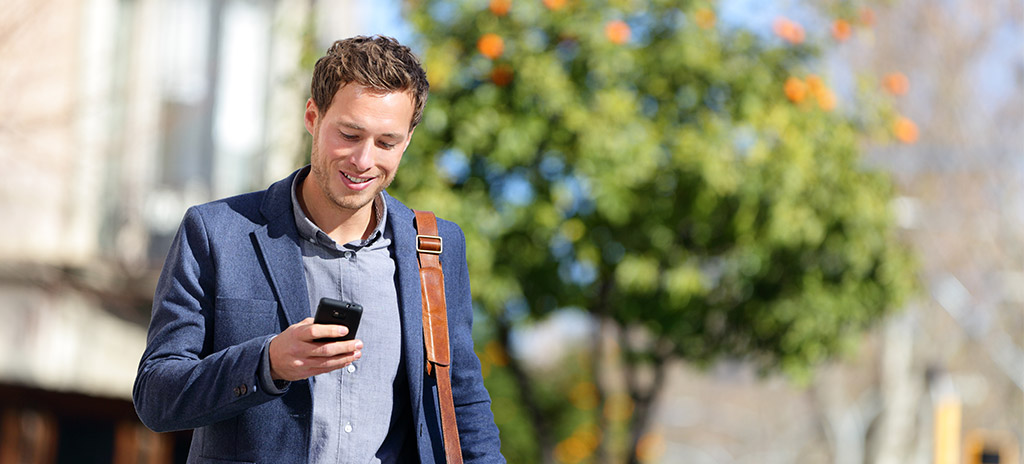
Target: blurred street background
(699, 231)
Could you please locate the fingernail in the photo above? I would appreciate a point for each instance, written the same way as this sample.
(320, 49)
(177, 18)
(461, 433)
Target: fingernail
(359, 345)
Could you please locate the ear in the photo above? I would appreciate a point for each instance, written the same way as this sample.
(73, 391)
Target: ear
(312, 113)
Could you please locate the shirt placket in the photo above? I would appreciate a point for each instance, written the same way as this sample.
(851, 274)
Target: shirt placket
(348, 397)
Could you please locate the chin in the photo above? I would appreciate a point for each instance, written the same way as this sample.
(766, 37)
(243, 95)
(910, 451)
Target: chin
(354, 201)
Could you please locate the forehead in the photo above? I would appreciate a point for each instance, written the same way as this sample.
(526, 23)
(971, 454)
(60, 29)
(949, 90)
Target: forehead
(371, 109)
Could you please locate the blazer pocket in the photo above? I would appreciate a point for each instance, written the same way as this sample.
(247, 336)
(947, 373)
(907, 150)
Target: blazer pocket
(236, 320)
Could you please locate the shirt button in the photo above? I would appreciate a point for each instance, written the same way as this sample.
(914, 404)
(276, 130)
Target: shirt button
(349, 255)
(348, 427)
(351, 368)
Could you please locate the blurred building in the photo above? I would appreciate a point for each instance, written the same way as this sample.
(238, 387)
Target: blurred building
(118, 115)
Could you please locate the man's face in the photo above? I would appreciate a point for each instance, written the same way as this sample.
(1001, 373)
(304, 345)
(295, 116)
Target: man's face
(358, 143)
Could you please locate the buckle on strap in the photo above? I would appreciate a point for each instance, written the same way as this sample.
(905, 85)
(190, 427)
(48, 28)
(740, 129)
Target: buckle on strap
(429, 244)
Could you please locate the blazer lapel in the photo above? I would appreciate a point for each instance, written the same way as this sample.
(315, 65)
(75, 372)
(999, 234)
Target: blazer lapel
(278, 243)
(407, 281)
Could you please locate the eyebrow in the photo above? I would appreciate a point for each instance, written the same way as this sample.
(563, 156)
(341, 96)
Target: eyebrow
(354, 126)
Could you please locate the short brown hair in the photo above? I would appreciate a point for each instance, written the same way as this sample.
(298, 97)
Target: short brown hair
(378, 62)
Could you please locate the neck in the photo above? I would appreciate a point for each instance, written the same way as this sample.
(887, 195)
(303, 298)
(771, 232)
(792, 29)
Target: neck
(341, 224)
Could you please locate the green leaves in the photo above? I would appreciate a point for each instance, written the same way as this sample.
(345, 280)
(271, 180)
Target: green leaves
(683, 173)
(669, 181)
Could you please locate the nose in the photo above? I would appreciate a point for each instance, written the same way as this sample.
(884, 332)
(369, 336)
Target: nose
(362, 158)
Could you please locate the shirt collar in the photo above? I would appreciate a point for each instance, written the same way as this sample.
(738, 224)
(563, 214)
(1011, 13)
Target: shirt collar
(310, 231)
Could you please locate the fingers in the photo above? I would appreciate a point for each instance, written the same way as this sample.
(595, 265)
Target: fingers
(335, 349)
(322, 365)
(307, 330)
(316, 331)
(301, 367)
(295, 354)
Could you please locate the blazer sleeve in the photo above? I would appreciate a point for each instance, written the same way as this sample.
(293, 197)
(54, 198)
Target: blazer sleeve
(478, 433)
(180, 384)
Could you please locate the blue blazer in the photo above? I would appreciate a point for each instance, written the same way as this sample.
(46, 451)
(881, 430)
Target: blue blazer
(233, 278)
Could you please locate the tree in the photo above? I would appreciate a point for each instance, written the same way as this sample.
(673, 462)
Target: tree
(694, 187)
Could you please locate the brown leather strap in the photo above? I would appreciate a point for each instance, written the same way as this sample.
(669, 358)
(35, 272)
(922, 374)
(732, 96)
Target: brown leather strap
(435, 327)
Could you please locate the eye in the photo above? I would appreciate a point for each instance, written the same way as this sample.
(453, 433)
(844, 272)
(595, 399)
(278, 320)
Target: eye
(386, 146)
(349, 137)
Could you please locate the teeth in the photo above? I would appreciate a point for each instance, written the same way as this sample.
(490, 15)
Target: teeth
(357, 180)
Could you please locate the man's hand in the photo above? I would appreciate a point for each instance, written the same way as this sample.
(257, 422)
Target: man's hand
(294, 355)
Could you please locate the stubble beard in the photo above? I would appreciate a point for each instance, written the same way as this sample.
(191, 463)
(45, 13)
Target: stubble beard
(324, 175)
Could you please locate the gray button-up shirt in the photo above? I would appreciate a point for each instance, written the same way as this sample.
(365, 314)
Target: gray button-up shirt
(359, 412)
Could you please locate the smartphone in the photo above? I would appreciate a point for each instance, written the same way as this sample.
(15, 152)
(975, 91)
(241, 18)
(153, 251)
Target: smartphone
(331, 311)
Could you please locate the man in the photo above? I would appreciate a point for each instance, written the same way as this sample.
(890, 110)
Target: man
(232, 351)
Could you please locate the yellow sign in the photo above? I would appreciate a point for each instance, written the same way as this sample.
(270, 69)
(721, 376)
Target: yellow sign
(947, 431)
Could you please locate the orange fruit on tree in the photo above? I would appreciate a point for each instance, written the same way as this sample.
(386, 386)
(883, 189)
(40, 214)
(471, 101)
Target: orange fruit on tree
(617, 31)
(896, 83)
(841, 29)
(826, 99)
(905, 130)
(501, 75)
(815, 85)
(788, 30)
(491, 45)
(555, 5)
(705, 18)
(500, 7)
(795, 89)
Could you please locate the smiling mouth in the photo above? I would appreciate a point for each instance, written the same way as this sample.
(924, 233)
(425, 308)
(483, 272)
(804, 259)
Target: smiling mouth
(357, 180)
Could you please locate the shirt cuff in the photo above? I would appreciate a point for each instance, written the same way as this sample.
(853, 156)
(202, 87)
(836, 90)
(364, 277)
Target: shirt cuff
(271, 386)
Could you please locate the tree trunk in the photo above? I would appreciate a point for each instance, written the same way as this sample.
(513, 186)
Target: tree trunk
(643, 396)
(900, 393)
(527, 397)
(599, 361)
